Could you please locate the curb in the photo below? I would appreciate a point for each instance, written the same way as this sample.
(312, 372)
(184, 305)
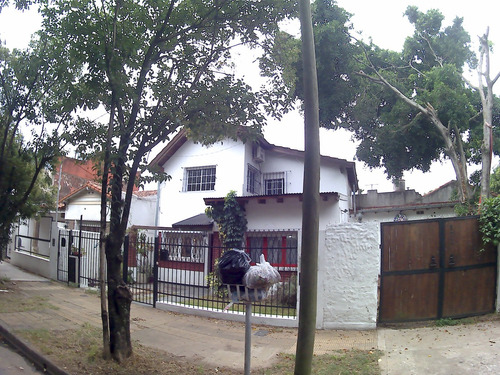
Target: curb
(40, 362)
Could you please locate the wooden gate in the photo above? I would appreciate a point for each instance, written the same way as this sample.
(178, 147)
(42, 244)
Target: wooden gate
(434, 269)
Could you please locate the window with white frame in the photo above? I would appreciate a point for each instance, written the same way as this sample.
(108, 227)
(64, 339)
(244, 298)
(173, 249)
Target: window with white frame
(199, 178)
(253, 180)
(274, 183)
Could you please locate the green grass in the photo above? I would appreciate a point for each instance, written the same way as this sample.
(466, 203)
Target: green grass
(339, 363)
(12, 303)
(445, 322)
(262, 308)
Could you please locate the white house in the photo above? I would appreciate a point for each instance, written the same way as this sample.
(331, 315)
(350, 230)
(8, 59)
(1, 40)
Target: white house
(268, 181)
(85, 204)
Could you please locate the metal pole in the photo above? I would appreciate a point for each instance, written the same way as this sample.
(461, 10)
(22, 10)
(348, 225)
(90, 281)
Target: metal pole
(80, 250)
(248, 337)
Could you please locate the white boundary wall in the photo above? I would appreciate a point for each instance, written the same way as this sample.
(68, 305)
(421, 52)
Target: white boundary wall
(349, 269)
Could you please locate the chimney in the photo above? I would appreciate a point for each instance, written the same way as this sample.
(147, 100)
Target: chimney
(399, 185)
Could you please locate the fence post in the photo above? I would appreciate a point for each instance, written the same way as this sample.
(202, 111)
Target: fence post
(70, 244)
(156, 253)
(125, 259)
(80, 250)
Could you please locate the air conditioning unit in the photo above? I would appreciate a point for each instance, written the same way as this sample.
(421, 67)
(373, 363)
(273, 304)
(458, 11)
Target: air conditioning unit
(259, 155)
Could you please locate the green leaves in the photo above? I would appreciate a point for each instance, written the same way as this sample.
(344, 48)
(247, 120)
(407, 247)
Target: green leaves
(415, 106)
(335, 54)
(231, 219)
(489, 221)
(36, 115)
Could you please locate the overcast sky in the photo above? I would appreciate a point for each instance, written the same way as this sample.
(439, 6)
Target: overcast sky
(383, 21)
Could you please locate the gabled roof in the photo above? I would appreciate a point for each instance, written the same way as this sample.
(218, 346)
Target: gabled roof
(89, 185)
(181, 137)
(171, 148)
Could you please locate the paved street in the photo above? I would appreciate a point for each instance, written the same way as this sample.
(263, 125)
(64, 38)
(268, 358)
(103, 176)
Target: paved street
(13, 363)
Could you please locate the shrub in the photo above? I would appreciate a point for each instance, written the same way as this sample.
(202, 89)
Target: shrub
(489, 221)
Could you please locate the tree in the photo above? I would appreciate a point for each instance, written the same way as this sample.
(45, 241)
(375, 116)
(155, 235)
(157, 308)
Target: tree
(35, 118)
(335, 64)
(495, 181)
(485, 90)
(156, 66)
(423, 107)
(231, 219)
(407, 109)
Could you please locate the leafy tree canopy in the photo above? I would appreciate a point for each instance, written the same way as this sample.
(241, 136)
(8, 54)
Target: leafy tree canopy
(36, 114)
(395, 134)
(335, 64)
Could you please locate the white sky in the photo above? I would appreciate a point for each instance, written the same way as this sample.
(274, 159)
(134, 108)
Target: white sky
(383, 21)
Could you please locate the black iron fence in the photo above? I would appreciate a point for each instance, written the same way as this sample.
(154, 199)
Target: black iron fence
(32, 245)
(179, 268)
(78, 257)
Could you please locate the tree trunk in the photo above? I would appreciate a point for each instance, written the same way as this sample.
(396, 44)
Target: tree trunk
(310, 204)
(456, 155)
(119, 296)
(486, 94)
(119, 301)
(106, 352)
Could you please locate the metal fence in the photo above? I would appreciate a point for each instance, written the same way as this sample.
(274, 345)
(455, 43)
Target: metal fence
(179, 267)
(78, 257)
(32, 245)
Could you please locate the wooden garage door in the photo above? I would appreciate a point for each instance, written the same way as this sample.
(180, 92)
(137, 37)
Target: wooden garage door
(435, 268)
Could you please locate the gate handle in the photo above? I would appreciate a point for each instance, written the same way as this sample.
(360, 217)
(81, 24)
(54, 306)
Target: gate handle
(451, 263)
(433, 263)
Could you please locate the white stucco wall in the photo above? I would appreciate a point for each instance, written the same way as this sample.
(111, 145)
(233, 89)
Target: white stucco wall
(349, 269)
(287, 215)
(228, 157)
(231, 159)
(142, 211)
(86, 204)
(383, 216)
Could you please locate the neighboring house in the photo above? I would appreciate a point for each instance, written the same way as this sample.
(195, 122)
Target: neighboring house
(404, 204)
(84, 205)
(34, 243)
(268, 181)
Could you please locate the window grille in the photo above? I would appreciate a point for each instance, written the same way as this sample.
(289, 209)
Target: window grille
(199, 179)
(185, 247)
(253, 180)
(274, 183)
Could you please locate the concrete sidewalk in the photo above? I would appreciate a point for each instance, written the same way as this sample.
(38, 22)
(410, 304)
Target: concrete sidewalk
(214, 342)
(448, 350)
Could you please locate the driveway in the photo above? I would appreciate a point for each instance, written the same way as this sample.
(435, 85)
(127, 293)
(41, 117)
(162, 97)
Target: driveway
(451, 350)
